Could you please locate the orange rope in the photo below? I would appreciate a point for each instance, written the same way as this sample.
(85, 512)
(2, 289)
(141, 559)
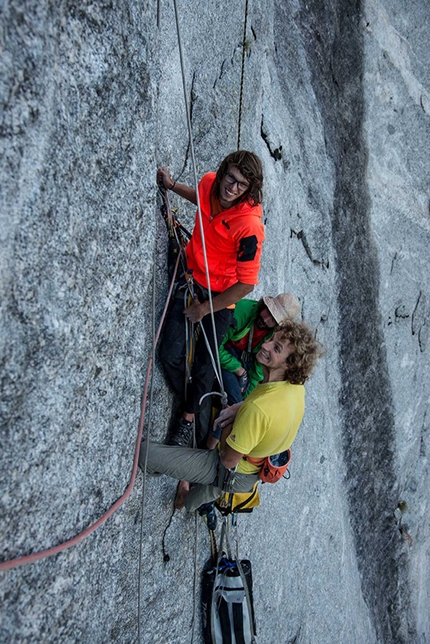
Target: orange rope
(21, 561)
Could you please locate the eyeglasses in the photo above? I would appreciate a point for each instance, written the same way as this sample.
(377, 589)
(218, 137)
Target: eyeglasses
(231, 180)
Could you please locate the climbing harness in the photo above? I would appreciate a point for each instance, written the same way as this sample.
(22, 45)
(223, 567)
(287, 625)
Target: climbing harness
(178, 235)
(234, 502)
(272, 469)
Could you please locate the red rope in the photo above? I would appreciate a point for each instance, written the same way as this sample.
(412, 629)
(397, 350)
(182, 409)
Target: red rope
(21, 561)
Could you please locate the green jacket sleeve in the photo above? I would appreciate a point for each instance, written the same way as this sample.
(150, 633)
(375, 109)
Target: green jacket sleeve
(245, 313)
(255, 373)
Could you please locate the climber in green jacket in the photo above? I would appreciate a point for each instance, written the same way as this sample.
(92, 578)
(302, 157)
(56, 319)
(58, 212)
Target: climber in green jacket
(253, 324)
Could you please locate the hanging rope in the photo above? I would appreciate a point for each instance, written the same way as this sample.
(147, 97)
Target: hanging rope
(242, 75)
(199, 212)
(20, 561)
(49, 552)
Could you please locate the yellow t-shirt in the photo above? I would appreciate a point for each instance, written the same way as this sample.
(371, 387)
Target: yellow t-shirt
(267, 422)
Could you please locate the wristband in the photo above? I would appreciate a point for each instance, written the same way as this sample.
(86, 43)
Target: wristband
(173, 185)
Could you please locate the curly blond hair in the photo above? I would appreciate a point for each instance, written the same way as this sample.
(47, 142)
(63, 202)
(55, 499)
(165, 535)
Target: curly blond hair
(306, 352)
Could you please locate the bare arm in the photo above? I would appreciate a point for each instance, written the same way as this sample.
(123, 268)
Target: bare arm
(186, 192)
(225, 421)
(180, 189)
(211, 442)
(231, 295)
(226, 416)
(228, 456)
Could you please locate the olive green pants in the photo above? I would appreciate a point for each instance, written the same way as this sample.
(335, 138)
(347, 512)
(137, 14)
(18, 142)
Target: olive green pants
(201, 467)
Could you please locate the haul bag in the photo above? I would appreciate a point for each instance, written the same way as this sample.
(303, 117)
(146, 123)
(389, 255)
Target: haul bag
(227, 603)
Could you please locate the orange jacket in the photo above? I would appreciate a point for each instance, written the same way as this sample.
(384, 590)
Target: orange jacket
(233, 239)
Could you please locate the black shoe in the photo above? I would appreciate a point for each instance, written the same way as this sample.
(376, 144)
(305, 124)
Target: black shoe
(207, 511)
(182, 435)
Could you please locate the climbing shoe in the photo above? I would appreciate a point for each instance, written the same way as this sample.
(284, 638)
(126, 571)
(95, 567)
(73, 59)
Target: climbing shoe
(182, 435)
(207, 511)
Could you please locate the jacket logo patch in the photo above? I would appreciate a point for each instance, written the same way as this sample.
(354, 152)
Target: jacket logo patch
(247, 249)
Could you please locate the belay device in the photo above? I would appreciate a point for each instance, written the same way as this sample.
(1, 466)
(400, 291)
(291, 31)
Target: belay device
(227, 602)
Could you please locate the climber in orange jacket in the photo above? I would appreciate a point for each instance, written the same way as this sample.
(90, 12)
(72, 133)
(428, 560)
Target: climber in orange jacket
(230, 202)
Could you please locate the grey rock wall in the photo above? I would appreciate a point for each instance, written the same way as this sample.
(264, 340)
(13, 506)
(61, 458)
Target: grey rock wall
(336, 103)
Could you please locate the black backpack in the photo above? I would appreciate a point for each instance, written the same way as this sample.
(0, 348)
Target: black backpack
(227, 602)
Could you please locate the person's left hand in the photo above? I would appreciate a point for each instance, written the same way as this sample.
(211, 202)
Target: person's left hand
(196, 311)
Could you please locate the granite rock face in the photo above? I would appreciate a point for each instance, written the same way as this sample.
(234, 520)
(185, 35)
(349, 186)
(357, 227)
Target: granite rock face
(337, 105)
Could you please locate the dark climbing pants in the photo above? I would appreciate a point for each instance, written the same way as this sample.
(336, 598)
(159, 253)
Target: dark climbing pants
(172, 354)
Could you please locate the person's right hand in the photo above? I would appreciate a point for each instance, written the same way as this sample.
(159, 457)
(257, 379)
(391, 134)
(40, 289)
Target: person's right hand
(164, 178)
(227, 416)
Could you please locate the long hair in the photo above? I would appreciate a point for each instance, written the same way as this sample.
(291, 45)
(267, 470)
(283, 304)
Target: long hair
(250, 166)
(306, 352)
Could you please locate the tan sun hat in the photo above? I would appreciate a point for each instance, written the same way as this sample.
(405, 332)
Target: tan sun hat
(285, 305)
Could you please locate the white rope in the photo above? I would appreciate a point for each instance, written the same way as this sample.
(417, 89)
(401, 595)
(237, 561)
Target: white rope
(199, 212)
